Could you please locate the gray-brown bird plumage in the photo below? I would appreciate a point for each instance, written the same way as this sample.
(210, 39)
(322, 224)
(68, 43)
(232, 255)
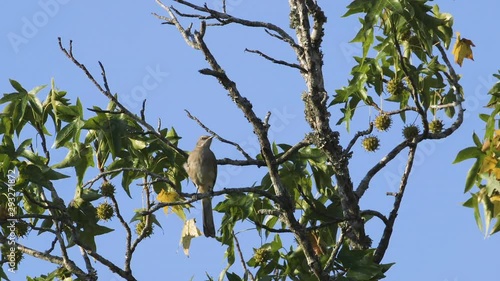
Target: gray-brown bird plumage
(201, 167)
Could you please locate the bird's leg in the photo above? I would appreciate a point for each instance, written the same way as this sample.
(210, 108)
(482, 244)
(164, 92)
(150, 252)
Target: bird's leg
(195, 196)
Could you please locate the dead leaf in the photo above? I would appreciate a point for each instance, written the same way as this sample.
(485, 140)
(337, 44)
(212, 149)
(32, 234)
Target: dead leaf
(486, 145)
(189, 231)
(462, 49)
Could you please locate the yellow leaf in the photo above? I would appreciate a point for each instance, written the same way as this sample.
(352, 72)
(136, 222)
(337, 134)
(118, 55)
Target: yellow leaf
(462, 49)
(189, 231)
(489, 164)
(167, 197)
(496, 172)
(179, 211)
(495, 199)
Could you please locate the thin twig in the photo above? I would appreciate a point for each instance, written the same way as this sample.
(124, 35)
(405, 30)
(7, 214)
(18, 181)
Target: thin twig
(276, 61)
(217, 136)
(356, 137)
(335, 251)
(243, 263)
(198, 196)
(375, 214)
(386, 236)
(128, 169)
(106, 92)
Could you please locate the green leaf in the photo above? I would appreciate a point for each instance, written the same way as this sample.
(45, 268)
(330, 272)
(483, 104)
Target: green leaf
(477, 214)
(172, 136)
(472, 175)
(79, 156)
(88, 194)
(232, 277)
(23, 146)
(46, 224)
(468, 153)
(496, 227)
(67, 133)
(17, 86)
(477, 141)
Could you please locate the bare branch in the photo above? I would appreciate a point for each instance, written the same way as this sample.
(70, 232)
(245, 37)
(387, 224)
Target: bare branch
(393, 112)
(238, 147)
(273, 60)
(120, 170)
(226, 18)
(375, 214)
(198, 196)
(364, 184)
(355, 138)
(70, 265)
(335, 251)
(414, 84)
(105, 91)
(386, 236)
(124, 274)
(457, 89)
(243, 263)
(441, 106)
(88, 264)
(286, 156)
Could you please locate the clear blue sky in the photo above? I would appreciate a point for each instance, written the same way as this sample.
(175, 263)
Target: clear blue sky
(435, 238)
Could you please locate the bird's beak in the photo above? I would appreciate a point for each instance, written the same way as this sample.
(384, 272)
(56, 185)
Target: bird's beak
(211, 137)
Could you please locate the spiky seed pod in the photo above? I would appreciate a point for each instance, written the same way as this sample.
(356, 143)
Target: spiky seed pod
(261, 255)
(107, 189)
(21, 229)
(395, 86)
(371, 143)
(105, 211)
(383, 122)
(148, 230)
(410, 132)
(436, 126)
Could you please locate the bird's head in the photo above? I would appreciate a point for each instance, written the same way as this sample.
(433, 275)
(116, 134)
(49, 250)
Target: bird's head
(204, 141)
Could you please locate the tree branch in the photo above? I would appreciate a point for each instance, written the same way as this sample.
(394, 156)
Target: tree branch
(317, 115)
(70, 265)
(355, 138)
(241, 257)
(386, 236)
(273, 60)
(198, 196)
(106, 92)
(238, 147)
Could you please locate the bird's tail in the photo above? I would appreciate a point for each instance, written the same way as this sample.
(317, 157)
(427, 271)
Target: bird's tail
(208, 218)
